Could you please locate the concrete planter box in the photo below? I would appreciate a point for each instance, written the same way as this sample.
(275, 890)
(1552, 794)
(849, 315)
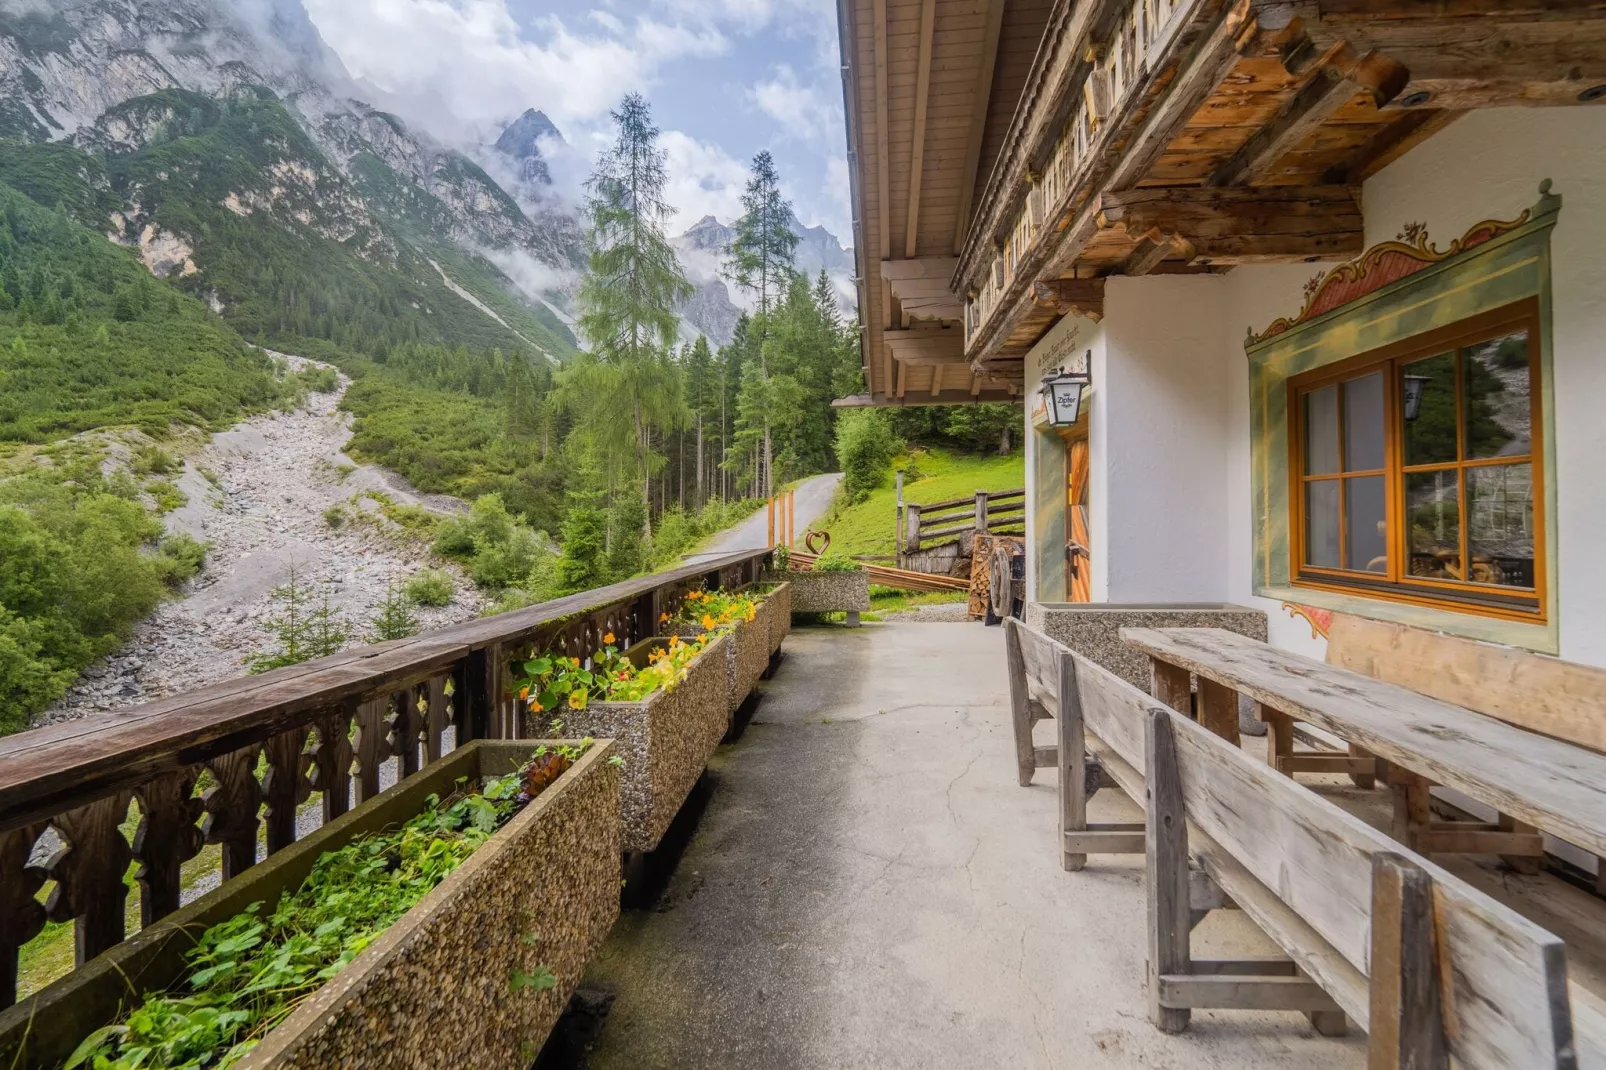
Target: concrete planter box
(829, 592)
(778, 600)
(1094, 629)
(665, 740)
(433, 989)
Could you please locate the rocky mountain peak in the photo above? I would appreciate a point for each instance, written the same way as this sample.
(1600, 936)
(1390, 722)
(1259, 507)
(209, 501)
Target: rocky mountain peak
(522, 142)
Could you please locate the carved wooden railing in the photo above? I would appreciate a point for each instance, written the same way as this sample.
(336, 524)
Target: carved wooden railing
(263, 745)
(1119, 68)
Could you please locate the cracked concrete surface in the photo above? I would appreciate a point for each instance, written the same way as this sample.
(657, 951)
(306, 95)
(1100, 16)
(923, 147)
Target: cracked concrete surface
(869, 887)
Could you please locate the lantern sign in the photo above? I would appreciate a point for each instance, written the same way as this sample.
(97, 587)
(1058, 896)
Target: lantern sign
(1415, 387)
(1062, 396)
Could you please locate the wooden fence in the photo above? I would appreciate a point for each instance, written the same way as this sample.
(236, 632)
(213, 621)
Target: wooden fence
(1001, 512)
(326, 726)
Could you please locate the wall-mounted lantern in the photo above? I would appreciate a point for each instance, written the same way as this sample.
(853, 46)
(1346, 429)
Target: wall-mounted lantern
(1062, 395)
(1415, 387)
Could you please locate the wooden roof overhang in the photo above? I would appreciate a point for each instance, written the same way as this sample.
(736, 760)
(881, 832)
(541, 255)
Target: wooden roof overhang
(1195, 135)
(929, 89)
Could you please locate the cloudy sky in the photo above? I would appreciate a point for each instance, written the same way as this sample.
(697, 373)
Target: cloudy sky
(725, 78)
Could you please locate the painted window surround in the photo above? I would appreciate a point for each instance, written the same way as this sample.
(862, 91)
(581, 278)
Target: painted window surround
(1478, 274)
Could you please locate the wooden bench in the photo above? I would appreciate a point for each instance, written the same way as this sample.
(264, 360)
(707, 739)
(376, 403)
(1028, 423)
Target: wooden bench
(1426, 963)
(1533, 782)
(1087, 757)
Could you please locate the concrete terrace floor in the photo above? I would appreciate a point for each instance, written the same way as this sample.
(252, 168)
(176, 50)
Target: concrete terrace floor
(869, 887)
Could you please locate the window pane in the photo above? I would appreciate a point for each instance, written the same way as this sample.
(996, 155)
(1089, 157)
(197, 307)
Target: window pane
(1363, 423)
(1429, 410)
(1496, 393)
(1365, 505)
(1433, 510)
(1321, 431)
(1321, 523)
(1500, 524)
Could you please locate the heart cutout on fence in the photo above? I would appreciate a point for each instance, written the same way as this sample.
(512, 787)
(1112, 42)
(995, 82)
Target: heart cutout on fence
(822, 537)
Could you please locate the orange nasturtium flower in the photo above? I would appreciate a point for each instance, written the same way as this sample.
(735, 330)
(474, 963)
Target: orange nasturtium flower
(708, 622)
(608, 638)
(524, 692)
(662, 617)
(535, 706)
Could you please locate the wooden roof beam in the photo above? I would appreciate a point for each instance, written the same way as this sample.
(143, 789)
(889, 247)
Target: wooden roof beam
(978, 121)
(1082, 297)
(921, 287)
(1332, 84)
(957, 396)
(1234, 225)
(926, 347)
(883, 166)
(917, 152)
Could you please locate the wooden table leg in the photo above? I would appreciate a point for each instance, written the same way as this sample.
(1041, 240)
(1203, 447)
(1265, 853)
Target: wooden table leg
(1413, 805)
(1218, 709)
(1528, 864)
(1172, 685)
(1362, 780)
(1279, 738)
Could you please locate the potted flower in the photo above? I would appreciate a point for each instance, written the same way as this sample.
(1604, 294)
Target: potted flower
(444, 922)
(662, 702)
(745, 618)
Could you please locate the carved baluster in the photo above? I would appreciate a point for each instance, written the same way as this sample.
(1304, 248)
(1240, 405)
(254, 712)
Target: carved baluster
(21, 915)
(88, 870)
(371, 748)
(167, 837)
(436, 717)
(286, 786)
(406, 724)
(231, 807)
(331, 762)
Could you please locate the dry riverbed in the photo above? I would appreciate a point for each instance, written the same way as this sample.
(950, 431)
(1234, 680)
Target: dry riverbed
(257, 494)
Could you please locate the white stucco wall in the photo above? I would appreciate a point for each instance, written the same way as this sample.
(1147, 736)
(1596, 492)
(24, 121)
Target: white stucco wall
(1170, 490)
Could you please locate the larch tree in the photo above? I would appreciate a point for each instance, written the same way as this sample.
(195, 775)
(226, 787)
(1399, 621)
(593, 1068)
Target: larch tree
(627, 384)
(760, 262)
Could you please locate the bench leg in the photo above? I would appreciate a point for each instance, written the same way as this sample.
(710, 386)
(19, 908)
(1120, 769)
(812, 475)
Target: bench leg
(1413, 806)
(1166, 858)
(1406, 1027)
(1279, 739)
(1072, 762)
(1019, 703)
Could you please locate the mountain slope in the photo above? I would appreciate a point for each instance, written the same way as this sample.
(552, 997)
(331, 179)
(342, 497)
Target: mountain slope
(215, 137)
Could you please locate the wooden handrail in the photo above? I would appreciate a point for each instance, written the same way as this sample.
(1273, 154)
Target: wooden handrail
(984, 512)
(77, 778)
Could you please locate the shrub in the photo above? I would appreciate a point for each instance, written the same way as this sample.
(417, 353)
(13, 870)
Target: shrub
(166, 495)
(865, 447)
(335, 516)
(181, 557)
(835, 562)
(431, 587)
(153, 460)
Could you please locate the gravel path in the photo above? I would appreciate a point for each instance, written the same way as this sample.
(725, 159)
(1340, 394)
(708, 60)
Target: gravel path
(813, 497)
(257, 493)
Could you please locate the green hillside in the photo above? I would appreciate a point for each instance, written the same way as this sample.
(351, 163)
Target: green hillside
(945, 474)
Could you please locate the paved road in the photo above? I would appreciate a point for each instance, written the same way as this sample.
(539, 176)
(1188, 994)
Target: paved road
(813, 498)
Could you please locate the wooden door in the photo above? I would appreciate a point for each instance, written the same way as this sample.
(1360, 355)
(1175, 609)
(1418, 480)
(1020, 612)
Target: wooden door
(1078, 550)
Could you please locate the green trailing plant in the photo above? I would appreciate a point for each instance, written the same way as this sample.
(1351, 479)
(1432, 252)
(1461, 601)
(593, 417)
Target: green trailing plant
(837, 563)
(395, 618)
(714, 610)
(781, 558)
(431, 587)
(554, 680)
(247, 974)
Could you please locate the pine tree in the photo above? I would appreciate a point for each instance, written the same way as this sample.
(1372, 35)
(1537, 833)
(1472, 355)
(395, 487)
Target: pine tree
(628, 385)
(761, 262)
(395, 618)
